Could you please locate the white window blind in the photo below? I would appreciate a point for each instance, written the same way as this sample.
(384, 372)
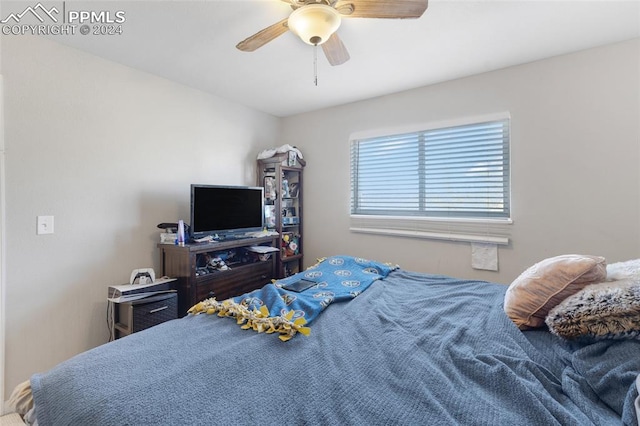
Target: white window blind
(453, 172)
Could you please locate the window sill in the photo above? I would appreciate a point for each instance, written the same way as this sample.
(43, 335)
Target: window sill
(496, 231)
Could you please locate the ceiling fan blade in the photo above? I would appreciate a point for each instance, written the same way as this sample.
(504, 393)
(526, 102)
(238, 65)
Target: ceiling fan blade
(382, 8)
(335, 51)
(263, 37)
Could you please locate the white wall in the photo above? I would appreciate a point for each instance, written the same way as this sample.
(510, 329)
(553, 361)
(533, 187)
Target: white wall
(575, 154)
(110, 153)
(2, 214)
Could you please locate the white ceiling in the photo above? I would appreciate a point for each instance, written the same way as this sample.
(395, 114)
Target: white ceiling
(193, 43)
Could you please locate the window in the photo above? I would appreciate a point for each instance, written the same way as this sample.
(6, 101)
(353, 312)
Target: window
(457, 172)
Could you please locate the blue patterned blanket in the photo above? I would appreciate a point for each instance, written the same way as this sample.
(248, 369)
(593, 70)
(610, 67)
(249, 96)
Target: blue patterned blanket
(273, 308)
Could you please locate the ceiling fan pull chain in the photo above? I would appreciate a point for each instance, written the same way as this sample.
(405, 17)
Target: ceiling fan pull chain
(315, 65)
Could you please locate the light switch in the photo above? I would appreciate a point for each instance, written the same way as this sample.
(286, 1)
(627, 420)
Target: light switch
(45, 225)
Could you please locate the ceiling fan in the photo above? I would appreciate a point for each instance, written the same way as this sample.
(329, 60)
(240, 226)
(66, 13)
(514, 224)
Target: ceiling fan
(316, 22)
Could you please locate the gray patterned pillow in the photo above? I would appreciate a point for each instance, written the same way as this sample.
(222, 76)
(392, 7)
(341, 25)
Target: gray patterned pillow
(609, 310)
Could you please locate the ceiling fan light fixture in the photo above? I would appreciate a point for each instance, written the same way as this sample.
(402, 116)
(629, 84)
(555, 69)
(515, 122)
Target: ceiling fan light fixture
(314, 23)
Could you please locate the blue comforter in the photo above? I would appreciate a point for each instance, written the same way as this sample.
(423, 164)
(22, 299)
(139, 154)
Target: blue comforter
(412, 349)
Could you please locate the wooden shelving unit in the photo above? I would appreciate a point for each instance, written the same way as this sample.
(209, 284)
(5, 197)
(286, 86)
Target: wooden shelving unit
(281, 176)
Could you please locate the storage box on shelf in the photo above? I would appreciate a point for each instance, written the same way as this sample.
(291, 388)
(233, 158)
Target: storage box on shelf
(222, 269)
(281, 177)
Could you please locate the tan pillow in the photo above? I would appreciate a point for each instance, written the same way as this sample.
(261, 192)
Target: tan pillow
(542, 286)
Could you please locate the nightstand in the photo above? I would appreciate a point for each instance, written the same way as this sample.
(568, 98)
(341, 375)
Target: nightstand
(138, 315)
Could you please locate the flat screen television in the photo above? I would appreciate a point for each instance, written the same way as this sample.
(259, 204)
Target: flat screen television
(226, 211)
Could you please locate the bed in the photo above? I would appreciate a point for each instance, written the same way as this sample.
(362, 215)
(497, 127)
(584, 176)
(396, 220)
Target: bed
(412, 349)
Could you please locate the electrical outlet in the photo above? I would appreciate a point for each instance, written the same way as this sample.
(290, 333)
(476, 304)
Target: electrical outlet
(45, 225)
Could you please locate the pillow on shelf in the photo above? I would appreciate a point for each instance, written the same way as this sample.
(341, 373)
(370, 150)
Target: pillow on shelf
(609, 310)
(545, 284)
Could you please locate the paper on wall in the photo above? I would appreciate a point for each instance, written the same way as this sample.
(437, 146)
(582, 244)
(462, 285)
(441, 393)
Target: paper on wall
(484, 256)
